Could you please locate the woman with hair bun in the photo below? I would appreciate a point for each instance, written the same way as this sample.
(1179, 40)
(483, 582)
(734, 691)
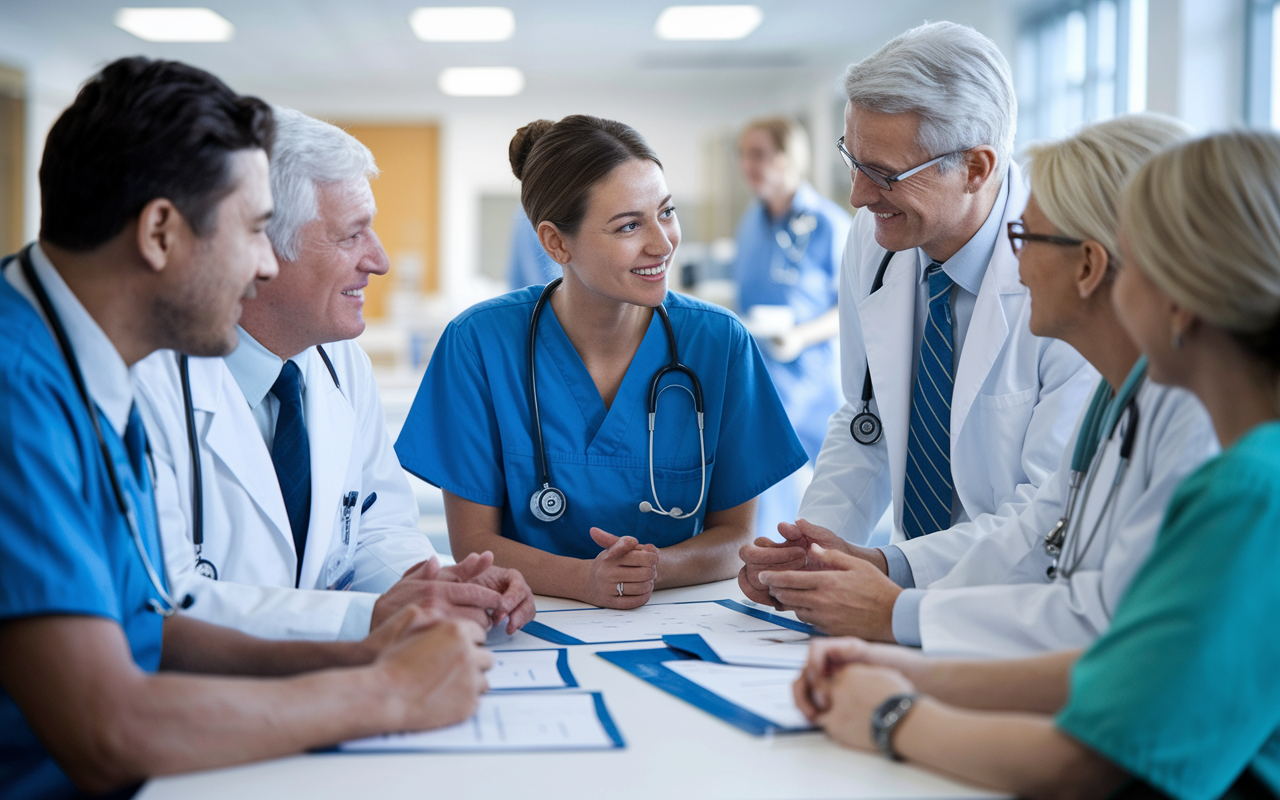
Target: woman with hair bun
(1179, 697)
(602, 435)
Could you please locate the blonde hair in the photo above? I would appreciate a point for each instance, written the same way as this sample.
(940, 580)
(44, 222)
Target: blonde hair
(1203, 219)
(788, 137)
(1078, 181)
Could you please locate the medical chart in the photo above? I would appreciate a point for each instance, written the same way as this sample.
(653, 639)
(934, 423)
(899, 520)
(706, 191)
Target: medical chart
(781, 649)
(763, 691)
(512, 722)
(652, 622)
(530, 669)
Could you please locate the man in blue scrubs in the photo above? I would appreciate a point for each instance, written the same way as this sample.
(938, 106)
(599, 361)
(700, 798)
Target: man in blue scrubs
(155, 201)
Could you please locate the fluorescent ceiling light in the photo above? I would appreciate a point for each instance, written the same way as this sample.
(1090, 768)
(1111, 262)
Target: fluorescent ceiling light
(175, 24)
(707, 22)
(478, 24)
(481, 81)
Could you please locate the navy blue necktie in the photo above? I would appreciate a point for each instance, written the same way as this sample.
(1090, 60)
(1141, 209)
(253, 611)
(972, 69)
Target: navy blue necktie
(291, 455)
(927, 494)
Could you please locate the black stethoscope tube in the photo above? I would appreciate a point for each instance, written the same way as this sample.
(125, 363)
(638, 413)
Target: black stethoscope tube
(866, 427)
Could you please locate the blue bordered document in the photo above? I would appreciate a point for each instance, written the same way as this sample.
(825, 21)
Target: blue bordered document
(779, 649)
(511, 722)
(651, 622)
(756, 699)
(516, 670)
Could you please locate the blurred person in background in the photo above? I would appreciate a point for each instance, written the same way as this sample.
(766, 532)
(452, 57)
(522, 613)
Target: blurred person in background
(787, 267)
(528, 264)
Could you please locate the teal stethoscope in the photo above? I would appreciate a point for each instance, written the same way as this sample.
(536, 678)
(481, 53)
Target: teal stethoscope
(1102, 417)
(166, 605)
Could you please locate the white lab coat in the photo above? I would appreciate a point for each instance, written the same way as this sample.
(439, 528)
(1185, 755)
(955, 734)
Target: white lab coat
(246, 528)
(1015, 400)
(998, 601)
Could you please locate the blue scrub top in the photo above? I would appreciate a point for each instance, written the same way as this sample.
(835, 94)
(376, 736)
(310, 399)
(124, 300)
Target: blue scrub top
(470, 428)
(529, 264)
(1182, 690)
(65, 547)
(804, 277)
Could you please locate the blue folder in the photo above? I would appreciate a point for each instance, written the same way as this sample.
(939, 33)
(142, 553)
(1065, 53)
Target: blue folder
(544, 631)
(648, 665)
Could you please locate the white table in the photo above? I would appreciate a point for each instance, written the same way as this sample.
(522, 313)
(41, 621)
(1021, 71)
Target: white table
(674, 750)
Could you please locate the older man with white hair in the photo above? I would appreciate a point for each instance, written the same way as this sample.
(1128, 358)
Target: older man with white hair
(283, 509)
(954, 412)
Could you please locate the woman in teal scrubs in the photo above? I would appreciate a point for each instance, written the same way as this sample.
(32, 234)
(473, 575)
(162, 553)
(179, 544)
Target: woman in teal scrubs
(1180, 695)
(601, 207)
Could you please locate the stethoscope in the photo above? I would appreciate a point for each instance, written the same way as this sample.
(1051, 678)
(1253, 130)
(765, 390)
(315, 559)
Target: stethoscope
(793, 243)
(866, 427)
(548, 503)
(165, 606)
(205, 567)
(1103, 415)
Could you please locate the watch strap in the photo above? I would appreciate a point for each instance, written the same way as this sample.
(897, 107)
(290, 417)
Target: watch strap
(886, 718)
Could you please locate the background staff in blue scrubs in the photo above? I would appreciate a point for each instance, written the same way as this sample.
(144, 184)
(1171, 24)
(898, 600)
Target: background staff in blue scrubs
(1180, 693)
(603, 211)
(789, 248)
(155, 201)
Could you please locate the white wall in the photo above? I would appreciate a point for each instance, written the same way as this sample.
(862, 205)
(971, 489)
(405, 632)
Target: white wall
(1196, 61)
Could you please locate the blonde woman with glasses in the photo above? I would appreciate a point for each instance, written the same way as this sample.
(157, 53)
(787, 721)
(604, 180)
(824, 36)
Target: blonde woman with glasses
(1179, 696)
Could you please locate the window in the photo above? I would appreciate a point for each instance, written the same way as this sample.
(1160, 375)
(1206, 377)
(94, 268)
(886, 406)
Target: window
(1080, 63)
(1262, 70)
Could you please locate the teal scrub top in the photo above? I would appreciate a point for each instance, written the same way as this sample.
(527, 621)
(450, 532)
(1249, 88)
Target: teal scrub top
(64, 545)
(470, 428)
(1183, 691)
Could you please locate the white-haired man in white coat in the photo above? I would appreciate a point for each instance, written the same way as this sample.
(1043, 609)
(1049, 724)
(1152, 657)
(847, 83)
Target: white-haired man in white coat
(296, 521)
(954, 412)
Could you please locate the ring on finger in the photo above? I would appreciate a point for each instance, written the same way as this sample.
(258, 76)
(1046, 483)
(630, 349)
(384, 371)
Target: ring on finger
(619, 589)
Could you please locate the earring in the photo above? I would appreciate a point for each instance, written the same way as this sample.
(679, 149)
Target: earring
(1176, 341)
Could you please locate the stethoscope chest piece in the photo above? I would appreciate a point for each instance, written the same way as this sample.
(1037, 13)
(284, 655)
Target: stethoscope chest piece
(548, 504)
(866, 428)
(206, 569)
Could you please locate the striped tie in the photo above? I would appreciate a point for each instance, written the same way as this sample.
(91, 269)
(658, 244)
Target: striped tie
(291, 455)
(927, 497)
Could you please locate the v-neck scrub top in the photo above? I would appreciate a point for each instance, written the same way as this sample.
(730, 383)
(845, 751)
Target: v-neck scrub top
(470, 428)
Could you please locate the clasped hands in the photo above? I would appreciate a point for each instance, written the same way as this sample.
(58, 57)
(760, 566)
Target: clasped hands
(623, 574)
(473, 589)
(840, 588)
(845, 680)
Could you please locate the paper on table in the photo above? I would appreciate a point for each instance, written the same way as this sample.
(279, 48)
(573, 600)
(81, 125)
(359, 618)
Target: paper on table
(509, 722)
(530, 669)
(763, 691)
(782, 649)
(652, 622)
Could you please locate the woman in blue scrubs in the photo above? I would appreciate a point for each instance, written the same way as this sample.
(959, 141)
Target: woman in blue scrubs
(628, 501)
(1179, 697)
(787, 268)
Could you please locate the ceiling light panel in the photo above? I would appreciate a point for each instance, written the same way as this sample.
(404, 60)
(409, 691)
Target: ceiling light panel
(707, 23)
(478, 24)
(481, 81)
(175, 24)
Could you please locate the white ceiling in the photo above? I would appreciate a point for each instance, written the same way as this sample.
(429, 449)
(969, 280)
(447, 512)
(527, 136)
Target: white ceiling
(360, 58)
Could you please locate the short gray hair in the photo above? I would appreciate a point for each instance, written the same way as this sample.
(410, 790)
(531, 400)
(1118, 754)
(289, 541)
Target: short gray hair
(308, 153)
(955, 78)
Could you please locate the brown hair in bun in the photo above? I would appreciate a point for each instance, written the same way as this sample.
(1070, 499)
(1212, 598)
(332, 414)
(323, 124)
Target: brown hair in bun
(557, 163)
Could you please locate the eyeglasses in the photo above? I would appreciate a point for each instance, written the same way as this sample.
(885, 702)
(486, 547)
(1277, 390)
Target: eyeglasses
(877, 177)
(1018, 234)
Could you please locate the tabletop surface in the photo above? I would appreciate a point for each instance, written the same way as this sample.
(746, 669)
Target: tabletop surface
(673, 750)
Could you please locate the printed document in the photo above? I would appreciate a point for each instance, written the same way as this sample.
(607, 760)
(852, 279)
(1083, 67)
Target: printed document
(783, 649)
(650, 622)
(530, 669)
(763, 691)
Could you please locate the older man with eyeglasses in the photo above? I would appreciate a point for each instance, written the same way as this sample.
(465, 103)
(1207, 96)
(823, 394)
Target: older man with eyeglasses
(954, 412)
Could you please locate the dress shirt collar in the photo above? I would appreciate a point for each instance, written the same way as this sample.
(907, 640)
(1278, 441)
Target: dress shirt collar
(969, 265)
(106, 377)
(255, 368)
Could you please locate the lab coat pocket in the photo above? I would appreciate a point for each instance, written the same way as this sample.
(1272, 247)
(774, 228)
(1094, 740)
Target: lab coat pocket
(995, 433)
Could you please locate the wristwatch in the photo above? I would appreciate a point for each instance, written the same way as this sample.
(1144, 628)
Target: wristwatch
(886, 718)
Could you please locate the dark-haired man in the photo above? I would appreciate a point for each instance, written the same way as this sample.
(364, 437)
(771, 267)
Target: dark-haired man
(155, 202)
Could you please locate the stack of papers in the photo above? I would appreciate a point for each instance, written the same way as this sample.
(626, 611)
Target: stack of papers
(656, 620)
